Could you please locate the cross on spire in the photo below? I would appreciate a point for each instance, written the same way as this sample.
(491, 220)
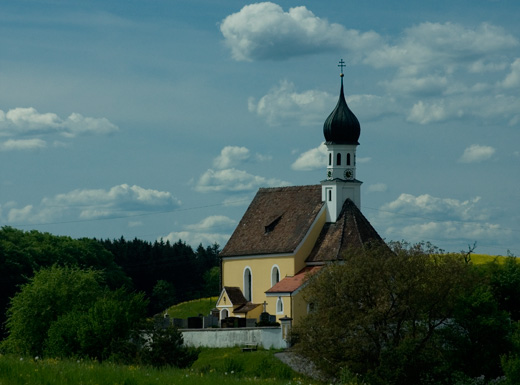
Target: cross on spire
(341, 65)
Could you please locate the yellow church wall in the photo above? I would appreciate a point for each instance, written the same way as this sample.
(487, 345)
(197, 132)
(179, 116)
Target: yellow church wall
(310, 240)
(261, 271)
(233, 270)
(299, 308)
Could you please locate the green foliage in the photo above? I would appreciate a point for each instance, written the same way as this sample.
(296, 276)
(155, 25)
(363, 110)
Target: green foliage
(478, 334)
(511, 361)
(65, 312)
(232, 362)
(212, 281)
(50, 294)
(27, 371)
(147, 263)
(24, 253)
(379, 312)
(505, 281)
(163, 296)
(165, 348)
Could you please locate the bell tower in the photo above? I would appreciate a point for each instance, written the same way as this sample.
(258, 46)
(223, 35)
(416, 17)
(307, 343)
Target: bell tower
(341, 130)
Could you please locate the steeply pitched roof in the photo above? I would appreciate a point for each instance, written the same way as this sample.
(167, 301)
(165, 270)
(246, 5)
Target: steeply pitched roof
(235, 295)
(292, 283)
(246, 308)
(351, 229)
(276, 221)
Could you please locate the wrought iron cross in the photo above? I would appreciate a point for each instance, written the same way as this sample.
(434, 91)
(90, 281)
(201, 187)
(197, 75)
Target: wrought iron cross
(341, 65)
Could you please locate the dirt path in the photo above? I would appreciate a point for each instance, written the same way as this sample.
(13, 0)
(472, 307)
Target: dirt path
(300, 364)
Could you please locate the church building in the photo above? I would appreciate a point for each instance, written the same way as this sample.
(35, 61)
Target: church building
(288, 233)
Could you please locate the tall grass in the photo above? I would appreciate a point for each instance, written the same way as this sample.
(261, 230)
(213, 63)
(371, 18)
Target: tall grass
(193, 308)
(219, 366)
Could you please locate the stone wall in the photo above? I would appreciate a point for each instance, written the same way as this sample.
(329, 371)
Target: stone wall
(266, 337)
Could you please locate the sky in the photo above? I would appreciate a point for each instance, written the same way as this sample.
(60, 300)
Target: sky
(156, 119)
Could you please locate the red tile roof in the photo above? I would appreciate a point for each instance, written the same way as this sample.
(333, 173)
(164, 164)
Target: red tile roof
(291, 283)
(276, 221)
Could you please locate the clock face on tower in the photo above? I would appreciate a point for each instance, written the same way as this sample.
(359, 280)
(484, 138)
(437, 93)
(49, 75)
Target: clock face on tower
(349, 174)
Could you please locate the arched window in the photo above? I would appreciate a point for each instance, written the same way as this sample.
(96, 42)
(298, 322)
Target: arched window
(348, 159)
(248, 284)
(275, 275)
(224, 314)
(279, 306)
(330, 159)
(338, 159)
(330, 195)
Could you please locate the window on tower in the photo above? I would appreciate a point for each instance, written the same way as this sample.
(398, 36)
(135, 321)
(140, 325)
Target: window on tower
(330, 159)
(348, 159)
(338, 159)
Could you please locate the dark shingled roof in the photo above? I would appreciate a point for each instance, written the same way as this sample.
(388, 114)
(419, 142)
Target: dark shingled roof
(276, 221)
(246, 308)
(351, 230)
(235, 295)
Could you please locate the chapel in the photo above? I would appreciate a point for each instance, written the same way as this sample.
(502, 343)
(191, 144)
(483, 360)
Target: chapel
(288, 233)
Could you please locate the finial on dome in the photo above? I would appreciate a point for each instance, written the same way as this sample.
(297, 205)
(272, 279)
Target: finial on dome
(341, 65)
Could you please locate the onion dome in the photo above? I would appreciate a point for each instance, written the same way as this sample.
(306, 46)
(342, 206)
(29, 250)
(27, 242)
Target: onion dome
(342, 126)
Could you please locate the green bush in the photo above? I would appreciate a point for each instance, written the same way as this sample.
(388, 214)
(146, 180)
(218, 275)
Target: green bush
(165, 348)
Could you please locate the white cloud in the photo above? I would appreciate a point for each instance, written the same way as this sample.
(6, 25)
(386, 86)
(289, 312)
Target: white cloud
(215, 228)
(450, 221)
(513, 78)
(264, 31)
(482, 106)
(442, 46)
(424, 113)
(377, 187)
(22, 144)
(231, 156)
(238, 200)
(432, 207)
(283, 102)
(313, 159)
(195, 238)
(77, 124)
(233, 180)
(427, 85)
(119, 201)
(28, 121)
(213, 222)
(476, 153)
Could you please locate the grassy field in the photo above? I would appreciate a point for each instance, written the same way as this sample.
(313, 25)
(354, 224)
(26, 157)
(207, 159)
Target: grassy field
(222, 366)
(480, 259)
(193, 308)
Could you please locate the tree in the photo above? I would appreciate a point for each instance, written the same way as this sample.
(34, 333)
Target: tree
(212, 282)
(24, 253)
(378, 313)
(165, 347)
(65, 312)
(50, 294)
(163, 296)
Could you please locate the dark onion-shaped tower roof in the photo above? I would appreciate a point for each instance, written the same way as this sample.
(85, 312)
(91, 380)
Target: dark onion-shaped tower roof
(342, 126)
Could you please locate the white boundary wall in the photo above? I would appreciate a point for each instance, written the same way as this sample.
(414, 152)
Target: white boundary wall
(266, 337)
